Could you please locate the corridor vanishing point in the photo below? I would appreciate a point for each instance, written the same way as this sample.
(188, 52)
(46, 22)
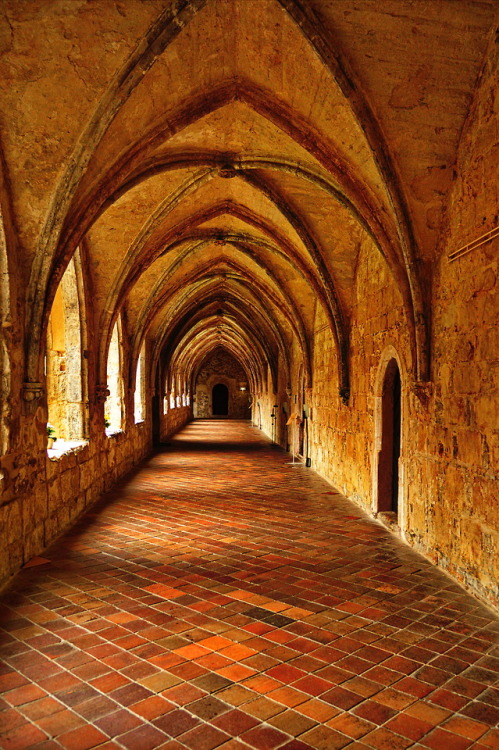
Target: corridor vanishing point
(249, 341)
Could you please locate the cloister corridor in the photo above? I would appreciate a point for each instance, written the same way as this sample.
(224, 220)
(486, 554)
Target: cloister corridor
(221, 597)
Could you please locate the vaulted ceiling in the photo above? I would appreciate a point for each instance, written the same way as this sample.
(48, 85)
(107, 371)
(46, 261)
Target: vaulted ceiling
(222, 163)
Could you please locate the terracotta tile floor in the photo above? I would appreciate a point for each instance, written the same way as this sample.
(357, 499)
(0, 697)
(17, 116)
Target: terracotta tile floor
(224, 599)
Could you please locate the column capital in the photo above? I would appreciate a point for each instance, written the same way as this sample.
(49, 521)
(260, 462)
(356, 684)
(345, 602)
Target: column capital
(32, 391)
(101, 393)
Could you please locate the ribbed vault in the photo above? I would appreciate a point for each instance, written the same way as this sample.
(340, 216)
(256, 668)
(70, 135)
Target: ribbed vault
(283, 210)
(233, 156)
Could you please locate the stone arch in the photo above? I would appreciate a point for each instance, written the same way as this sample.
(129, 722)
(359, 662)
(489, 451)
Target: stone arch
(403, 268)
(139, 399)
(66, 370)
(5, 324)
(220, 366)
(114, 406)
(390, 411)
(300, 390)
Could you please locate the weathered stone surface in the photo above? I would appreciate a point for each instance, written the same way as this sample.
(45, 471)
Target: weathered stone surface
(264, 192)
(221, 367)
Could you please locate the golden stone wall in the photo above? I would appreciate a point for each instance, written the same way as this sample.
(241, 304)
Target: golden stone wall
(43, 496)
(343, 435)
(294, 200)
(173, 421)
(450, 445)
(221, 367)
(457, 461)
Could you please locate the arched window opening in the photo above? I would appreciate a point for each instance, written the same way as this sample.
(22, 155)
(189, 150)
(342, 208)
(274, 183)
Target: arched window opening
(220, 400)
(301, 404)
(165, 404)
(4, 398)
(113, 408)
(270, 385)
(172, 401)
(139, 394)
(64, 365)
(5, 326)
(388, 463)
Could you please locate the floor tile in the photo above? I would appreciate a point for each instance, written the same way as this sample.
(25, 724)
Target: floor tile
(220, 599)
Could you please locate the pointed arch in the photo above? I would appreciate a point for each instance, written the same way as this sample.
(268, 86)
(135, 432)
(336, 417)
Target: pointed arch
(390, 418)
(139, 393)
(114, 416)
(66, 369)
(5, 324)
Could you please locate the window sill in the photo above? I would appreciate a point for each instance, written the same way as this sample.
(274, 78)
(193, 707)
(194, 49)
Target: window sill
(110, 432)
(63, 447)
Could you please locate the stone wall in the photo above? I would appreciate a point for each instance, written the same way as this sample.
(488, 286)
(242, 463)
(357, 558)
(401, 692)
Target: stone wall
(448, 503)
(450, 449)
(450, 446)
(221, 367)
(343, 436)
(173, 421)
(43, 496)
(457, 462)
(286, 399)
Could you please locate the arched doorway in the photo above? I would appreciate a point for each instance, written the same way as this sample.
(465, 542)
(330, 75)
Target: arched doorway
(388, 463)
(220, 400)
(301, 404)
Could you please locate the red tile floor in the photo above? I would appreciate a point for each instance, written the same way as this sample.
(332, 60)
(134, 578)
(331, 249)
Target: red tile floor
(222, 598)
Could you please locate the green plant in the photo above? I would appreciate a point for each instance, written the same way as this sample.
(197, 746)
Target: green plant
(51, 433)
(107, 421)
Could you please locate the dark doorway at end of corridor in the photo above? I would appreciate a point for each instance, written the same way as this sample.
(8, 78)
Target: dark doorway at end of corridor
(220, 400)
